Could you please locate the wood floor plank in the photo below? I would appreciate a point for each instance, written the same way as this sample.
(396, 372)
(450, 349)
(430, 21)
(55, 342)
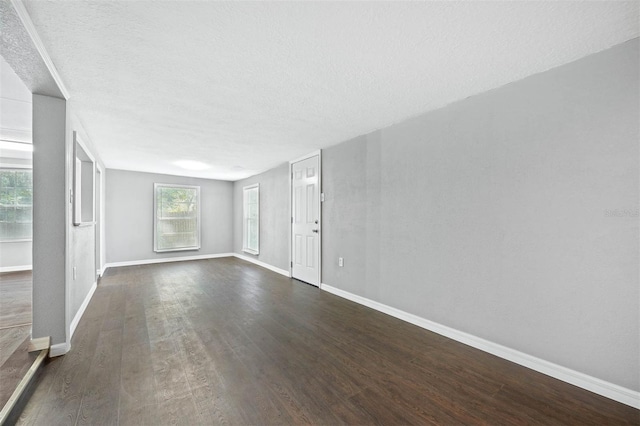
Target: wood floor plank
(61, 404)
(10, 339)
(180, 410)
(226, 342)
(14, 369)
(100, 399)
(15, 298)
(43, 382)
(15, 328)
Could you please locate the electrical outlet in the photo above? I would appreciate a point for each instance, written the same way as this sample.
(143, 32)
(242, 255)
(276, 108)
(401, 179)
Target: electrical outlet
(340, 261)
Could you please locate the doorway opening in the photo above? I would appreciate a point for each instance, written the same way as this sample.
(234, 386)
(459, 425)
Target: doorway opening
(16, 230)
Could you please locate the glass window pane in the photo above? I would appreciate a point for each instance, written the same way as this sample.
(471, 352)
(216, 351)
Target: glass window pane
(24, 179)
(10, 214)
(7, 196)
(16, 200)
(177, 214)
(251, 213)
(24, 214)
(24, 196)
(7, 178)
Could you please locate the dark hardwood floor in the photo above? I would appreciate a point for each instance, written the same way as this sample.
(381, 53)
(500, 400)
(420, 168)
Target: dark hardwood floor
(15, 299)
(226, 342)
(15, 326)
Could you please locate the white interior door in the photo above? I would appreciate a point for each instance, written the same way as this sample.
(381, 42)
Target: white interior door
(305, 223)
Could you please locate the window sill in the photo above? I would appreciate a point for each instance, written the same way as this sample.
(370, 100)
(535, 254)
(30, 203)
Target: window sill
(177, 249)
(249, 251)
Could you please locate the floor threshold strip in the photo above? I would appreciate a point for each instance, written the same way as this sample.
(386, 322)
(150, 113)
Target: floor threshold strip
(42, 345)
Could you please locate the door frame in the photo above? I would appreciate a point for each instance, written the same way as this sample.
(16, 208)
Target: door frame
(318, 153)
(100, 246)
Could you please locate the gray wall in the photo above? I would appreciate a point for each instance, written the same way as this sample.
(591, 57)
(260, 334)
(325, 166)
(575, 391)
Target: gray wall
(58, 245)
(15, 255)
(82, 239)
(49, 218)
(511, 215)
(274, 216)
(129, 215)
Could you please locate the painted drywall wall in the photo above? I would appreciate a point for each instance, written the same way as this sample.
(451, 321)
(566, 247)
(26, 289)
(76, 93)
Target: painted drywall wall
(15, 256)
(50, 201)
(58, 246)
(274, 216)
(82, 239)
(511, 215)
(129, 215)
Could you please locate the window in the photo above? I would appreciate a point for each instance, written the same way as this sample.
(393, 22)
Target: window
(177, 217)
(16, 204)
(251, 219)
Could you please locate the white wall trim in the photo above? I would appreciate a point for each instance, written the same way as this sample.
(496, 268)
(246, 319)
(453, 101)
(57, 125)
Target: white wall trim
(309, 155)
(164, 260)
(101, 215)
(263, 264)
(37, 42)
(593, 384)
(59, 349)
(83, 307)
(16, 135)
(9, 163)
(199, 257)
(16, 268)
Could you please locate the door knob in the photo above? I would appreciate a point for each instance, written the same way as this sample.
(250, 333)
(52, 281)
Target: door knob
(315, 221)
(315, 230)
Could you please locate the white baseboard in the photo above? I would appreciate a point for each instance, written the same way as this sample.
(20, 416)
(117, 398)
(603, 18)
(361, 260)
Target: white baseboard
(199, 257)
(164, 260)
(263, 264)
(59, 349)
(15, 268)
(83, 307)
(593, 384)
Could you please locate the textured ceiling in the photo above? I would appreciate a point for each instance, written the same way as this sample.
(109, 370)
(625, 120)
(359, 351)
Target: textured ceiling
(246, 86)
(18, 50)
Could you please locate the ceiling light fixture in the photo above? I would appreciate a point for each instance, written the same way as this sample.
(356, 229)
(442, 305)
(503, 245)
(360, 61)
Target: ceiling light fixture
(192, 165)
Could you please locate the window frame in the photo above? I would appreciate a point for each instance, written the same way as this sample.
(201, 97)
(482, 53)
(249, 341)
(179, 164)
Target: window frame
(245, 219)
(18, 168)
(84, 177)
(197, 246)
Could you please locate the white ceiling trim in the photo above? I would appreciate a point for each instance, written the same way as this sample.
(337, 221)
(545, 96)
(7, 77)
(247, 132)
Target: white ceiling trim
(37, 42)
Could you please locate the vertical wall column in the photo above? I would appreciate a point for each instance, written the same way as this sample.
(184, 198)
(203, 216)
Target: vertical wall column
(50, 205)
